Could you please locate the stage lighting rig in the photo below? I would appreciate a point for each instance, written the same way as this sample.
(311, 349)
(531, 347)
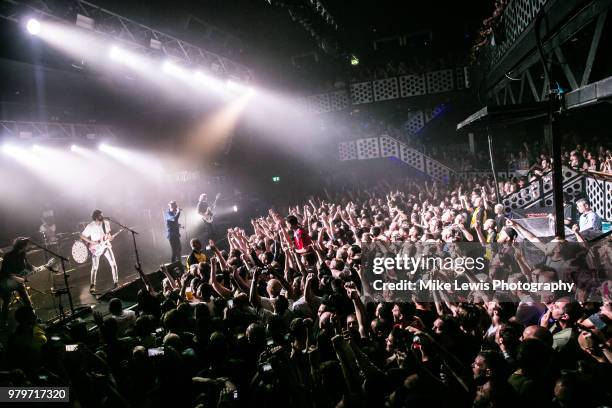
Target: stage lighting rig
(33, 26)
(55, 130)
(130, 34)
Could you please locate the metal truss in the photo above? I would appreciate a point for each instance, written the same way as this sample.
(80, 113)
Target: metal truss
(525, 81)
(54, 130)
(532, 84)
(128, 32)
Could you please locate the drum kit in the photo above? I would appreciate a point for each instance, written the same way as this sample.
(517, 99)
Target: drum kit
(79, 252)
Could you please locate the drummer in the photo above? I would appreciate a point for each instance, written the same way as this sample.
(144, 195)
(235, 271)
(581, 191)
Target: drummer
(48, 229)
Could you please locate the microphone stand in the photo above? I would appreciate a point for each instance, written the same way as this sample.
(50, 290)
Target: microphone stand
(134, 233)
(63, 261)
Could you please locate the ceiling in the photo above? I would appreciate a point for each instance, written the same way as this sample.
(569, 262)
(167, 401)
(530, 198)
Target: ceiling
(256, 33)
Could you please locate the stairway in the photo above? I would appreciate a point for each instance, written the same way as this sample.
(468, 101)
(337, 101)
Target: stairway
(387, 146)
(540, 191)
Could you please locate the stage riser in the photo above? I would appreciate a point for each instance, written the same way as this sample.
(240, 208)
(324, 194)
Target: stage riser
(128, 291)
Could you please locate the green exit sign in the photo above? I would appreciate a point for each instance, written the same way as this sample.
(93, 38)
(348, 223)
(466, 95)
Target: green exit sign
(276, 179)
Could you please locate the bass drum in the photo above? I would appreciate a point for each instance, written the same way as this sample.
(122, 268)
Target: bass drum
(80, 252)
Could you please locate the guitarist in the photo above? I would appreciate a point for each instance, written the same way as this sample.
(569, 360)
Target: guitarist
(13, 265)
(96, 232)
(206, 212)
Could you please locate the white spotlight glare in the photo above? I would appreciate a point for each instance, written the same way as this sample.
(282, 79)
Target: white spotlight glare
(199, 76)
(114, 53)
(74, 148)
(238, 87)
(168, 66)
(36, 148)
(7, 149)
(102, 147)
(33, 26)
(235, 208)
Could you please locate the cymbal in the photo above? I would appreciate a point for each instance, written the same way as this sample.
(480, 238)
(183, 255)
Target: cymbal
(64, 234)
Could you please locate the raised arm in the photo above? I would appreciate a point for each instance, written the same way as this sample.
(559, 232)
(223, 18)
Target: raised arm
(479, 233)
(529, 236)
(360, 313)
(467, 234)
(224, 292)
(222, 261)
(254, 297)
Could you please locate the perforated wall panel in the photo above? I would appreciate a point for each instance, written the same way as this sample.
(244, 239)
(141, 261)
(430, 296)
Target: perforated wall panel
(368, 148)
(531, 196)
(388, 147)
(361, 92)
(598, 191)
(347, 150)
(339, 100)
(608, 198)
(319, 103)
(440, 81)
(412, 157)
(412, 85)
(302, 103)
(436, 170)
(385, 89)
(517, 16)
(416, 120)
(463, 78)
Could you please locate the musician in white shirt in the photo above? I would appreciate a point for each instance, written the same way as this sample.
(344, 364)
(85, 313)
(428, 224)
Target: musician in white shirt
(95, 232)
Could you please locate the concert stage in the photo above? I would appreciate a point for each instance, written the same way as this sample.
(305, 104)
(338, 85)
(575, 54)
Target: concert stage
(42, 284)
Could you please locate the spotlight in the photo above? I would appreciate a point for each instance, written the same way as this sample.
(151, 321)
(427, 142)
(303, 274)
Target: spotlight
(36, 148)
(33, 26)
(168, 66)
(238, 87)
(202, 78)
(114, 53)
(103, 147)
(235, 208)
(354, 60)
(74, 148)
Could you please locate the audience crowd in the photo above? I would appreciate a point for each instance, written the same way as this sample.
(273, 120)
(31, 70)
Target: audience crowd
(288, 315)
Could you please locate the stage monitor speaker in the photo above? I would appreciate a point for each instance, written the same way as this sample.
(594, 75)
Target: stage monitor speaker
(129, 291)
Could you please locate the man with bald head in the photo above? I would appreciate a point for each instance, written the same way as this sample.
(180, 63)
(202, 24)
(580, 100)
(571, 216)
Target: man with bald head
(274, 288)
(538, 333)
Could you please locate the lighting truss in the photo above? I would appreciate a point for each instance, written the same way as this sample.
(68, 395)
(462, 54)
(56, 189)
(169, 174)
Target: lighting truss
(129, 33)
(54, 130)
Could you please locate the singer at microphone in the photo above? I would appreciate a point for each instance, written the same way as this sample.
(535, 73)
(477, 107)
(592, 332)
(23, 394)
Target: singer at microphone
(171, 216)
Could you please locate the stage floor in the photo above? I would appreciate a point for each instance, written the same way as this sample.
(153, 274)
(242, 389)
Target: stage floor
(46, 304)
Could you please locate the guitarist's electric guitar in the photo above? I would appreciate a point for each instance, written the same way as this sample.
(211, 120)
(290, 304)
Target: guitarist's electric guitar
(98, 248)
(208, 216)
(37, 269)
(24, 273)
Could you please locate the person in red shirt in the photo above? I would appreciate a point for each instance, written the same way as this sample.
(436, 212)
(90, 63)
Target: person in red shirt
(301, 239)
